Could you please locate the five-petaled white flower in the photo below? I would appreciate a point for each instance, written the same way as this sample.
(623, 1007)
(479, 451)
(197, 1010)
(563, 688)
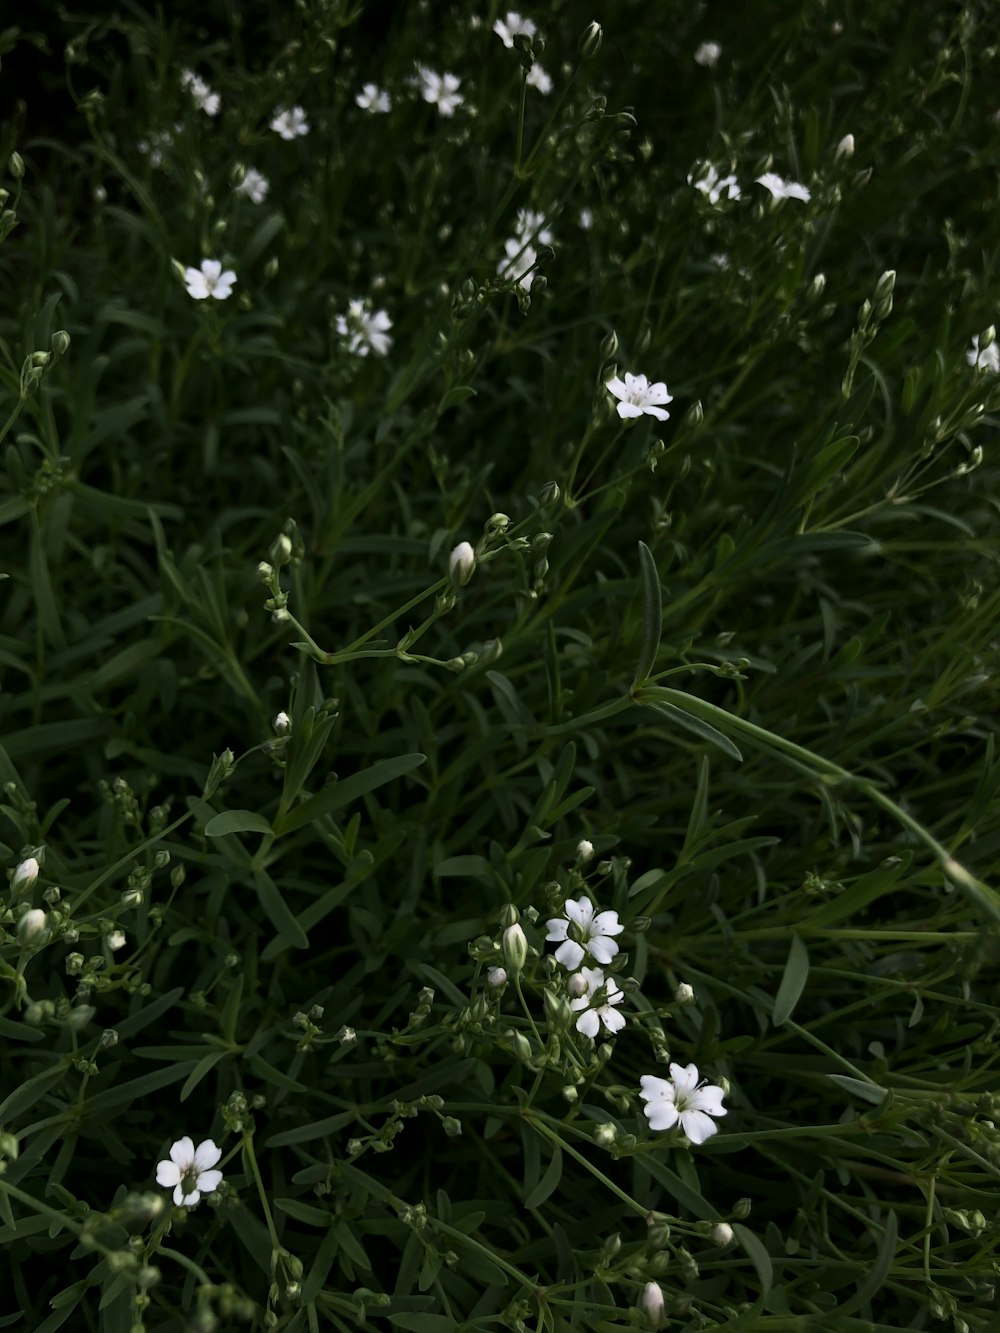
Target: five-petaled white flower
(374, 99)
(708, 54)
(254, 185)
(537, 78)
(189, 1170)
(782, 189)
(637, 396)
(583, 931)
(681, 1098)
(986, 358)
(365, 330)
(290, 124)
(439, 89)
(598, 1003)
(209, 280)
(714, 186)
(508, 27)
(204, 99)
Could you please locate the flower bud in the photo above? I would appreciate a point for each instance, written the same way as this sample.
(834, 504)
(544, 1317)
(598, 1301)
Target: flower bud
(281, 723)
(497, 525)
(515, 947)
(590, 42)
(684, 994)
(521, 1045)
(31, 926)
(741, 1209)
(496, 976)
(25, 875)
(265, 571)
(722, 1233)
(605, 1134)
(609, 345)
(652, 1304)
(577, 985)
(845, 148)
(462, 564)
(116, 940)
(549, 494)
(59, 342)
(281, 550)
(15, 165)
(584, 851)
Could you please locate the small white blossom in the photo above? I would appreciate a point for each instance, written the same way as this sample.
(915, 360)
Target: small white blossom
(986, 358)
(462, 564)
(782, 189)
(365, 330)
(681, 1098)
(708, 54)
(496, 976)
(652, 1304)
(209, 280)
(116, 940)
(584, 851)
(845, 148)
(684, 994)
(202, 95)
(715, 187)
(290, 124)
(254, 185)
(507, 28)
(598, 1003)
(441, 90)
(537, 78)
(25, 874)
(374, 99)
(189, 1170)
(582, 931)
(637, 396)
(722, 1233)
(281, 723)
(31, 925)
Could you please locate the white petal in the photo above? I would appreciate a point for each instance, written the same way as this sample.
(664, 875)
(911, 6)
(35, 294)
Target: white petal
(188, 1200)
(659, 413)
(707, 1099)
(607, 923)
(167, 1173)
(206, 1155)
(588, 1023)
(616, 387)
(613, 1020)
(658, 393)
(698, 1126)
(655, 1089)
(211, 268)
(581, 1002)
(209, 1180)
(685, 1077)
(570, 954)
(601, 948)
(593, 976)
(661, 1115)
(179, 1194)
(629, 410)
(580, 910)
(182, 1152)
(557, 928)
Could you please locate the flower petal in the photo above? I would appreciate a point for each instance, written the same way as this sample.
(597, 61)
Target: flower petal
(601, 948)
(659, 413)
(557, 928)
(607, 923)
(182, 1152)
(206, 1155)
(658, 393)
(570, 954)
(188, 1200)
(580, 910)
(655, 1089)
(707, 1099)
(588, 1023)
(167, 1173)
(613, 1020)
(685, 1077)
(629, 410)
(209, 1181)
(698, 1126)
(661, 1115)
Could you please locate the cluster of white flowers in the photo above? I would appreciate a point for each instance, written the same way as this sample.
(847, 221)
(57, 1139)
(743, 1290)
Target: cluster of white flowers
(290, 123)
(254, 186)
(209, 280)
(714, 186)
(507, 29)
(365, 330)
(201, 94)
(520, 255)
(441, 90)
(984, 358)
(636, 396)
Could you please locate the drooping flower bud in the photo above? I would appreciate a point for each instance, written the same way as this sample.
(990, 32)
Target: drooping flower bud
(25, 875)
(584, 851)
(462, 564)
(590, 42)
(652, 1304)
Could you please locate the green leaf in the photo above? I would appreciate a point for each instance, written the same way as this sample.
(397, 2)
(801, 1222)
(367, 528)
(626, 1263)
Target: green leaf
(349, 789)
(423, 1323)
(878, 1272)
(830, 460)
(793, 981)
(652, 598)
(759, 1257)
(319, 1129)
(459, 393)
(548, 1182)
(704, 730)
(236, 821)
(280, 915)
(868, 1092)
(464, 867)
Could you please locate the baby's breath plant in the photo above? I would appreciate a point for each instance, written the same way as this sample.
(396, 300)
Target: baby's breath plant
(499, 793)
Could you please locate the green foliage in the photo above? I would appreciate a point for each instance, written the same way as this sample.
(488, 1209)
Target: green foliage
(332, 669)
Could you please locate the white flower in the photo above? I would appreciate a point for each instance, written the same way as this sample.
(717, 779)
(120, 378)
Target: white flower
(683, 1099)
(209, 280)
(462, 564)
(584, 851)
(204, 99)
(116, 940)
(582, 931)
(602, 994)
(782, 189)
(987, 358)
(652, 1304)
(31, 925)
(439, 89)
(365, 330)
(537, 78)
(715, 186)
(25, 874)
(708, 54)
(281, 723)
(290, 124)
(374, 99)
(507, 28)
(189, 1170)
(254, 185)
(637, 396)
(496, 976)
(684, 994)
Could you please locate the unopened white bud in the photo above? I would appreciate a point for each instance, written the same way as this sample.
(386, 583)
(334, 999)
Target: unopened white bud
(116, 940)
(605, 1134)
(722, 1233)
(515, 947)
(684, 994)
(577, 985)
(584, 851)
(281, 723)
(652, 1304)
(462, 564)
(497, 976)
(25, 875)
(31, 926)
(845, 148)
